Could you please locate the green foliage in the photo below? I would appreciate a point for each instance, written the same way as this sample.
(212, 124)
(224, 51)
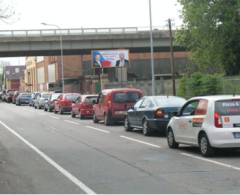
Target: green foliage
(211, 31)
(199, 84)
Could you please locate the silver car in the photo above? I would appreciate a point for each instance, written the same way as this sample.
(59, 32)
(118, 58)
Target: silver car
(41, 99)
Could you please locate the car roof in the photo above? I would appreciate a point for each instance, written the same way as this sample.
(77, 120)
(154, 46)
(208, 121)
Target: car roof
(163, 96)
(217, 97)
(89, 95)
(120, 90)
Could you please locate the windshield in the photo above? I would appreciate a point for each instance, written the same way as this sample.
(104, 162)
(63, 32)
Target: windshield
(90, 99)
(71, 97)
(26, 95)
(228, 107)
(46, 96)
(126, 97)
(55, 96)
(163, 101)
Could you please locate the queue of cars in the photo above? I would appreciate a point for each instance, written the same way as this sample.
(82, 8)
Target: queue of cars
(208, 122)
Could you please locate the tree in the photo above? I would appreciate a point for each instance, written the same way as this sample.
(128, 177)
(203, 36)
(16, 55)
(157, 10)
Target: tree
(211, 31)
(6, 12)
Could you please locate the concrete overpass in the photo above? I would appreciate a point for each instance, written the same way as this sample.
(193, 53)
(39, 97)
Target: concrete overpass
(79, 41)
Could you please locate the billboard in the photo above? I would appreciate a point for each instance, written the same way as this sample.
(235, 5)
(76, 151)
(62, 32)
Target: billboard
(110, 58)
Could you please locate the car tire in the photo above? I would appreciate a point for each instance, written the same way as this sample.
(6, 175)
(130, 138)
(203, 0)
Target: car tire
(146, 129)
(127, 125)
(171, 139)
(80, 115)
(107, 119)
(95, 119)
(73, 115)
(60, 111)
(204, 146)
(45, 109)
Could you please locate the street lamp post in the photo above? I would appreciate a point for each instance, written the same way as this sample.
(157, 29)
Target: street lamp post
(61, 51)
(151, 45)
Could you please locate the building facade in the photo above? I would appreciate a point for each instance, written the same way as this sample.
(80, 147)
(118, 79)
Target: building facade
(13, 77)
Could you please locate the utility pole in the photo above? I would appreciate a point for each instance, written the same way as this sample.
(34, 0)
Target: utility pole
(172, 57)
(151, 46)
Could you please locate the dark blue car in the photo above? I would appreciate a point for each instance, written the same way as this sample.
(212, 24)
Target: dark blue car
(152, 113)
(23, 98)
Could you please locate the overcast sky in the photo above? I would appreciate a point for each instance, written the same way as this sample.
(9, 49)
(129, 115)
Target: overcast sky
(29, 14)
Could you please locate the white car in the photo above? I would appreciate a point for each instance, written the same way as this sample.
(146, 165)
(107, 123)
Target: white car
(208, 122)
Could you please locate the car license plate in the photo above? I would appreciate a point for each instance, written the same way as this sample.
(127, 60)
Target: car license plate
(236, 135)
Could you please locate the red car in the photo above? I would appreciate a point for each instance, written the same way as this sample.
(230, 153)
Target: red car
(64, 102)
(112, 104)
(83, 106)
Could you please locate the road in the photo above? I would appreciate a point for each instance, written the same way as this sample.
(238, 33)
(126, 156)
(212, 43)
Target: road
(42, 152)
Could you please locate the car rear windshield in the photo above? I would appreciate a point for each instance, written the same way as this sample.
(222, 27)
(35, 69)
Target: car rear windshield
(54, 96)
(90, 99)
(71, 97)
(228, 107)
(26, 95)
(164, 101)
(126, 97)
(46, 96)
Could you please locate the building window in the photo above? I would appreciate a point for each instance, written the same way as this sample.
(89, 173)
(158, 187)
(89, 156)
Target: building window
(40, 75)
(40, 58)
(16, 70)
(51, 73)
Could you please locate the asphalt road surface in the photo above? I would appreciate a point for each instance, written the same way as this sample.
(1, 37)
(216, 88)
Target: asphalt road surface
(42, 152)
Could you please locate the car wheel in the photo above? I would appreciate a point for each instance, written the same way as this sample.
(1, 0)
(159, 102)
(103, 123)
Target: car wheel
(146, 129)
(45, 109)
(107, 119)
(127, 125)
(73, 115)
(54, 110)
(95, 120)
(205, 147)
(171, 139)
(60, 111)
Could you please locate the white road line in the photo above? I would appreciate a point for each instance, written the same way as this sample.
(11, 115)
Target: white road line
(67, 174)
(72, 122)
(211, 161)
(54, 117)
(97, 129)
(139, 141)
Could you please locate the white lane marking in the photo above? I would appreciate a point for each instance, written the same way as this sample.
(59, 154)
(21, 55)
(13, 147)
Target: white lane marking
(139, 141)
(97, 129)
(67, 174)
(72, 122)
(54, 117)
(211, 161)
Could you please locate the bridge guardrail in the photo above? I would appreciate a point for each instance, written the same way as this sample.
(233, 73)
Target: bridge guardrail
(74, 31)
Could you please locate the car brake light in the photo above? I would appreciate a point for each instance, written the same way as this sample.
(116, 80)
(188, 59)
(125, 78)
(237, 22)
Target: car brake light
(217, 120)
(109, 103)
(159, 113)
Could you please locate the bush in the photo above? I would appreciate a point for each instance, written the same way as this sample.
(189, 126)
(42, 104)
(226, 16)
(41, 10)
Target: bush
(199, 84)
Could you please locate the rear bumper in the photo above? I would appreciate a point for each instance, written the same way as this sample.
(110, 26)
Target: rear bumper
(119, 115)
(66, 109)
(224, 138)
(87, 113)
(159, 125)
(24, 101)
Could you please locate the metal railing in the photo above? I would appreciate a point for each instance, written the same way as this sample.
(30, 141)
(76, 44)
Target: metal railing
(73, 31)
